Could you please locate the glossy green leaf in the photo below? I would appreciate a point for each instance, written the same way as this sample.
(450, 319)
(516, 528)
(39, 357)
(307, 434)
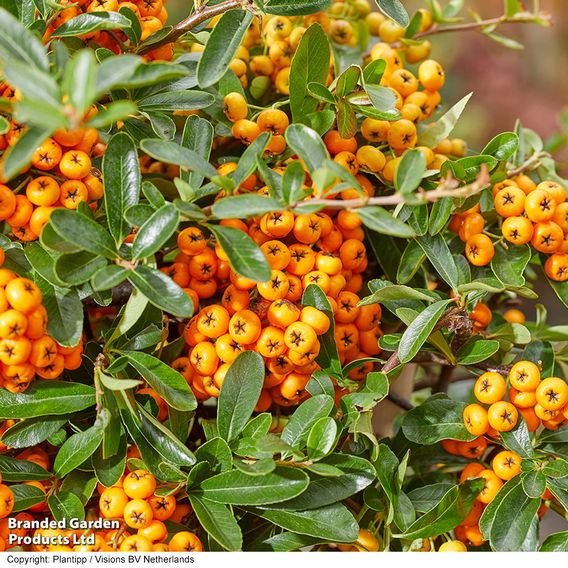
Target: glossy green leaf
(236, 488)
(65, 506)
(502, 146)
(90, 22)
(394, 10)
(46, 398)
(197, 136)
(307, 144)
(321, 438)
(436, 419)
(167, 382)
(26, 496)
(451, 510)
(305, 416)
(176, 101)
(15, 470)
(223, 42)
(161, 291)
(79, 447)
(32, 431)
(155, 232)
(507, 520)
(410, 171)
(439, 255)
(477, 350)
(219, 522)
(419, 330)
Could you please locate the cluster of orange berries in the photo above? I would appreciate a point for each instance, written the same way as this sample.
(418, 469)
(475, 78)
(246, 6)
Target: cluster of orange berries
(60, 175)
(532, 214)
(25, 348)
(539, 401)
(152, 15)
(140, 516)
(268, 317)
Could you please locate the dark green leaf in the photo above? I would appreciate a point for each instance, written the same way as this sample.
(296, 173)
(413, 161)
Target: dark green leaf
(176, 100)
(155, 232)
(534, 484)
(502, 146)
(78, 268)
(237, 488)
(46, 398)
(218, 521)
(321, 438)
(26, 496)
(161, 291)
(239, 394)
(306, 415)
(439, 255)
(90, 22)
(477, 350)
(294, 7)
(167, 382)
(32, 431)
(65, 506)
(223, 42)
(197, 136)
(307, 144)
(21, 470)
(410, 171)
(436, 419)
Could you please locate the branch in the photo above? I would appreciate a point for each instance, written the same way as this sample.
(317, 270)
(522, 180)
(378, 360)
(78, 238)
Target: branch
(400, 401)
(531, 163)
(448, 188)
(200, 15)
(520, 18)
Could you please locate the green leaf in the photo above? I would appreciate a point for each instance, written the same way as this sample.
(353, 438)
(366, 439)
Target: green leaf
(334, 522)
(376, 389)
(328, 358)
(219, 522)
(321, 438)
(79, 447)
(26, 496)
(223, 42)
(507, 520)
(21, 470)
(161, 291)
(411, 261)
(77, 268)
(90, 22)
(502, 146)
(64, 311)
(293, 183)
(217, 453)
(239, 394)
(305, 416)
(440, 215)
(80, 80)
(451, 510)
(509, 265)
(80, 483)
(439, 255)
(245, 256)
(286, 542)
(308, 144)
(155, 232)
(410, 171)
(258, 426)
(20, 155)
(237, 488)
(172, 153)
(321, 93)
(346, 119)
(394, 10)
(534, 484)
(167, 382)
(419, 330)
(380, 220)
(65, 506)
(557, 542)
(108, 277)
(383, 100)
(294, 7)
(428, 496)
(436, 419)
(46, 398)
(170, 101)
(477, 350)
(440, 129)
(32, 431)
(119, 110)
(556, 468)
(121, 170)
(114, 71)
(395, 292)
(356, 474)
(83, 231)
(519, 440)
(243, 206)
(197, 136)
(19, 44)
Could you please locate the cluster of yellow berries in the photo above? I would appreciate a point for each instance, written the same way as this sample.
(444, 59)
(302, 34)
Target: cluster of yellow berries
(529, 214)
(25, 348)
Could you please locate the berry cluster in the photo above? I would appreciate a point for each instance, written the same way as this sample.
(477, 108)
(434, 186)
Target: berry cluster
(25, 348)
(269, 317)
(152, 15)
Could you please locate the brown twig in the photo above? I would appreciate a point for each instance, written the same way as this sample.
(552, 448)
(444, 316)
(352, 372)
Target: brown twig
(448, 188)
(400, 401)
(200, 15)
